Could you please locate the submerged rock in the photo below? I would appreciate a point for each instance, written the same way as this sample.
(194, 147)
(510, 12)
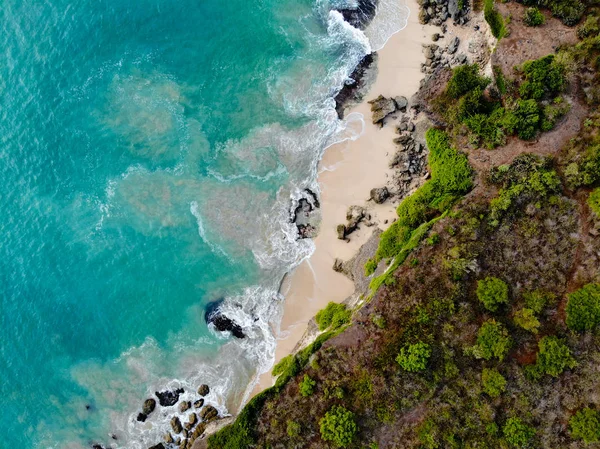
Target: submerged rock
(168, 398)
(303, 214)
(352, 90)
(149, 406)
(141, 417)
(158, 446)
(221, 322)
(361, 15)
(203, 390)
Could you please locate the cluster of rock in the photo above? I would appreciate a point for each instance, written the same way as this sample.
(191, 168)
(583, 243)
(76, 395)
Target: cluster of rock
(354, 216)
(382, 107)
(436, 12)
(360, 13)
(410, 161)
(436, 56)
(304, 214)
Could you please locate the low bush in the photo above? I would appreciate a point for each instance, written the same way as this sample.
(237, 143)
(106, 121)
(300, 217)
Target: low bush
(583, 308)
(543, 77)
(553, 358)
(569, 11)
(293, 429)
(533, 17)
(493, 382)
(585, 425)
(307, 386)
(492, 292)
(414, 357)
(537, 300)
(338, 426)
(594, 202)
(333, 316)
(465, 79)
(517, 433)
(492, 341)
(494, 19)
(526, 319)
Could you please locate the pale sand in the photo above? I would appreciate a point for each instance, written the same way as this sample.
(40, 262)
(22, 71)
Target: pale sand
(348, 171)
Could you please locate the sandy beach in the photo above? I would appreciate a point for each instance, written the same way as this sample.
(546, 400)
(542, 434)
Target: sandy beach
(347, 173)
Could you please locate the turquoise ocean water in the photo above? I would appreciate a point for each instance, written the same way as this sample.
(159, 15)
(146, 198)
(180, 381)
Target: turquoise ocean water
(149, 153)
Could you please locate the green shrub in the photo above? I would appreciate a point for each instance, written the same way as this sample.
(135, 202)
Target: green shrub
(370, 267)
(338, 426)
(492, 341)
(585, 425)
(334, 316)
(283, 365)
(414, 357)
(552, 113)
(594, 201)
(465, 79)
(307, 386)
(591, 27)
(537, 300)
(293, 429)
(526, 319)
(492, 292)
(527, 115)
(544, 76)
(517, 433)
(587, 172)
(379, 321)
(553, 357)
(494, 19)
(533, 17)
(583, 308)
(493, 382)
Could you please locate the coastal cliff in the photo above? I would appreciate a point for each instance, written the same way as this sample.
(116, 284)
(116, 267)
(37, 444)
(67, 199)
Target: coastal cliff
(474, 320)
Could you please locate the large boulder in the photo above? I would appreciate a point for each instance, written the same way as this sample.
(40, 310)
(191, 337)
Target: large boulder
(401, 103)
(199, 403)
(453, 45)
(221, 322)
(184, 406)
(381, 107)
(380, 194)
(168, 398)
(193, 419)
(158, 446)
(354, 215)
(203, 390)
(149, 406)
(176, 425)
(208, 413)
(141, 417)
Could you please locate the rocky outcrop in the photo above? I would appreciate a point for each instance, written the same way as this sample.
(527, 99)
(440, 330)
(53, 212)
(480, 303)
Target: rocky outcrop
(176, 425)
(208, 413)
(361, 15)
(304, 215)
(380, 194)
(168, 398)
(203, 390)
(354, 216)
(436, 12)
(184, 406)
(354, 88)
(381, 107)
(221, 322)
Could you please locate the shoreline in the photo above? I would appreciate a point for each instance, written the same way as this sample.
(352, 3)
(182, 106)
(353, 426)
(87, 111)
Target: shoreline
(346, 174)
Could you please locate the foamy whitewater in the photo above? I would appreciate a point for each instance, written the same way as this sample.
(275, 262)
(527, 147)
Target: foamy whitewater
(152, 152)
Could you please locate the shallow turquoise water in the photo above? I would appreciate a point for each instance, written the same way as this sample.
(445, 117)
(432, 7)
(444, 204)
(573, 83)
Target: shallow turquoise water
(149, 152)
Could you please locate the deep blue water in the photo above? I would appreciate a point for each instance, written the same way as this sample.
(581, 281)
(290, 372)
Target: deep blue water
(149, 150)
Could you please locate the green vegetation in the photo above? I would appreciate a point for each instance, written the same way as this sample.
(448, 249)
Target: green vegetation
(492, 292)
(492, 341)
(594, 201)
(553, 358)
(307, 386)
(465, 79)
(414, 357)
(338, 426)
(333, 316)
(583, 308)
(569, 11)
(517, 433)
(537, 300)
(293, 429)
(543, 77)
(526, 319)
(451, 177)
(585, 425)
(533, 17)
(493, 382)
(494, 19)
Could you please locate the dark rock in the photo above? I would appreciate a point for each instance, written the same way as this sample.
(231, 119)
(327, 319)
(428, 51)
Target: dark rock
(360, 16)
(199, 403)
(168, 438)
(221, 322)
(208, 413)
(381, 108)
(141, 417)
(158, 446)
(401, 103)
(176, 425)
(168, 398)
(341, 231)
(338, 265)
(380, 194)
(149, 406)
(184, 406)
(453, 46)
(203, 390)
(435, 37)
(306, 231)
(352, 89)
